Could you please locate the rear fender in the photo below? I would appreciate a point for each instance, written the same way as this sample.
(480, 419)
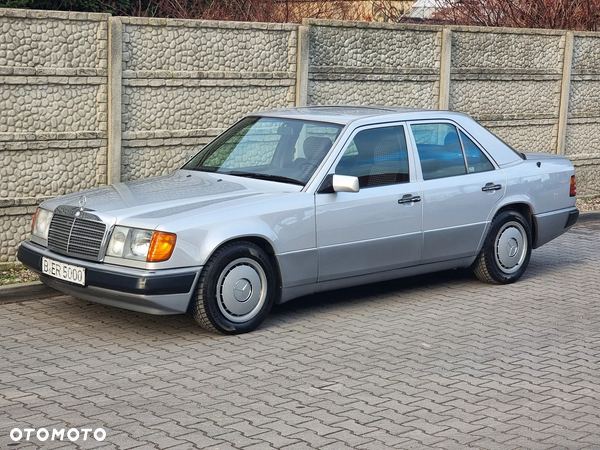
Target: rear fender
(519, 203)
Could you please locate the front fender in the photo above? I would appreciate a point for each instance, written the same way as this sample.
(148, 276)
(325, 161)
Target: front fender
(215, 237)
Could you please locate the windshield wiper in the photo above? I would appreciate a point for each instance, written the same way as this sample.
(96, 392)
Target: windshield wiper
(264, 176)
(201, 168)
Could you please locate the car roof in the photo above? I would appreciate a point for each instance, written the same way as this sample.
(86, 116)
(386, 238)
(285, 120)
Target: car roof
(344, 114)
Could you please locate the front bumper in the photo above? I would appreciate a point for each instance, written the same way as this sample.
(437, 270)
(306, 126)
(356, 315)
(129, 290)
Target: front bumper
(149, 291)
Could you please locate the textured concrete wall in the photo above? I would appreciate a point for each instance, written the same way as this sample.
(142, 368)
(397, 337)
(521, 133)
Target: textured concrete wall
(583, 130)
(186, 81)
(494, 71)
(491, 72)
(53, 112)
(183, 82)
(85, 97)
(511, 80)
(373, 63)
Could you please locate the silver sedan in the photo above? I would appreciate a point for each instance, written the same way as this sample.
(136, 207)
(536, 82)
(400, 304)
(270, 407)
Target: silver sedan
(290, 202)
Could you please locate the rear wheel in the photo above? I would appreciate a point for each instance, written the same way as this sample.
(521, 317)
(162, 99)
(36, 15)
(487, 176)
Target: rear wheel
(506, 250)
(236, 289)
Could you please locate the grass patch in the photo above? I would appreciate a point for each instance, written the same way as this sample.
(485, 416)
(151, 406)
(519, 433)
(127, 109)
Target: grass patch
(16, 275)
(589, 204)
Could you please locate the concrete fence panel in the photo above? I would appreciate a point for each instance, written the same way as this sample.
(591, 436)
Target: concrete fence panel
(373, 64)
(186, 81)
(494, 70)
(583, 124)
(53, 112)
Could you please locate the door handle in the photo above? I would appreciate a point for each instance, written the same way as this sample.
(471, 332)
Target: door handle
(409, 198)
(491, 187)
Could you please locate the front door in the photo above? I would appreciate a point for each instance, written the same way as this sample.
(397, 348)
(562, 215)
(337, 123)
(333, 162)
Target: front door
(379, 227)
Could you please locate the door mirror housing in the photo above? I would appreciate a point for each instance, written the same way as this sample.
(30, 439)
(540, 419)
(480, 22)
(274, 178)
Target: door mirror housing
(345, 183)
(339, 183)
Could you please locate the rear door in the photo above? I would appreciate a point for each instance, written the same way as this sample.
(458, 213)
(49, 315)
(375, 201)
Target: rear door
(379, 227)
(461, 185)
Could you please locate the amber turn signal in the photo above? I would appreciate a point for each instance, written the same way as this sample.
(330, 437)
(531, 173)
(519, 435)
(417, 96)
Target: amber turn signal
(573, 188)
(161, 246)
(34, 217)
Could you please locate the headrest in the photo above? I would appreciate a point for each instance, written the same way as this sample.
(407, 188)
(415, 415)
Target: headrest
(451, 138)
(315, 148)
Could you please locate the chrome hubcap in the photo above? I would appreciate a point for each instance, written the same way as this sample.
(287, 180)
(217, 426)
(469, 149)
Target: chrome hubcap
(242, 290)
(511, 247)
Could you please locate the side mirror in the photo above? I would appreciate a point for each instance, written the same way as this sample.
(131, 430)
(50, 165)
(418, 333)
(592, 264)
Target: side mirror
(345, 183)
(339, 183)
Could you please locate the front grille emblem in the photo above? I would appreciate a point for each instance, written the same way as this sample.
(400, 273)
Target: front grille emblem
(82, 202)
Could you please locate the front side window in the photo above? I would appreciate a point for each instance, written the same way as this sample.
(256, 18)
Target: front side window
(285, 150)
(377, 156)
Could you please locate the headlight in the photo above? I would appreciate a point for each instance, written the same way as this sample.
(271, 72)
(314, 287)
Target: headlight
(140, 242)
(117, 242)
(141, 245)
(41, 223)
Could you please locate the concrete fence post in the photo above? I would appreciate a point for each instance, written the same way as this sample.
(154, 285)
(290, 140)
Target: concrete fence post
(115, 72)
(563, 115)
(445, 69)
(302, 67)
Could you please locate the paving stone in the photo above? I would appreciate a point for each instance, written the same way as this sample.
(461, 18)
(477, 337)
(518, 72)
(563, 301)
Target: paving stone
(503, 367)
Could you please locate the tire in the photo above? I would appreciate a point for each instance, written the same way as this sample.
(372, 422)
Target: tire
(236, 289)
(506, 250)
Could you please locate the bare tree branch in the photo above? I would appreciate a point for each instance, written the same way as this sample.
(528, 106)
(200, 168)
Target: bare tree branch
(556, 14)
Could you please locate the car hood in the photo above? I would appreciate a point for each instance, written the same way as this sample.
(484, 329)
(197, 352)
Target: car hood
(168, 196)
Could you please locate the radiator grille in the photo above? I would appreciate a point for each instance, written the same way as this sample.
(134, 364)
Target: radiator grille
(76, 237)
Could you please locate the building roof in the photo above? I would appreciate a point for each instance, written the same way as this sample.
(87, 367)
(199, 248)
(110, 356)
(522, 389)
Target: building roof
(425, 9)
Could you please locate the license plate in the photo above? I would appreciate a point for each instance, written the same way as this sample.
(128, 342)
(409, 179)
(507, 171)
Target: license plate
(62, 271)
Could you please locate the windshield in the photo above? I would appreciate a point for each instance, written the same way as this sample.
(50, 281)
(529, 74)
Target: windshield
(285, 150)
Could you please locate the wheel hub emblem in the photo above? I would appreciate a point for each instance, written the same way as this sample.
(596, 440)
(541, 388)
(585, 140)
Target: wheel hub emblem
(513, 248)
(242, 290)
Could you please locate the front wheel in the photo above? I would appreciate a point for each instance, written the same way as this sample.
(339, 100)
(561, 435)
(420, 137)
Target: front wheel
(236, 289)
(506, 250)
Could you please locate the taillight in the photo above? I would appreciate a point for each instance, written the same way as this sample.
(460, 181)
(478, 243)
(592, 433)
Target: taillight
(573, 188)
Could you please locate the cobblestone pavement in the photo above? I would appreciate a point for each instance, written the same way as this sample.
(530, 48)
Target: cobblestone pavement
(440, 361)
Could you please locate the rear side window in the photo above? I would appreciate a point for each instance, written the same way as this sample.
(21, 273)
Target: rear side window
(445, 151)
(476, 160)
(377, 156)
(439, 150)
